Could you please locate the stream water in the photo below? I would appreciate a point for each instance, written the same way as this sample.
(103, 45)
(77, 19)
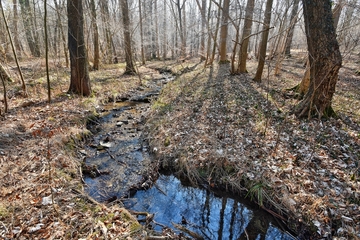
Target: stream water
(118, 163)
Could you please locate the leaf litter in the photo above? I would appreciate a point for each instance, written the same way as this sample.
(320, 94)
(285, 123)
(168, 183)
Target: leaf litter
(41, 188)
(228, 131)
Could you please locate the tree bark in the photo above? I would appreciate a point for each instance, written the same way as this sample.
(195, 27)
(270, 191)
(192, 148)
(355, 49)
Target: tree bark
(164, 31)
(264, 40)
(224, 31)
(110, 51)
(337, 12)
(4, 90)
(80, 80)
(130, 69)
(324, 58)
(245, 36)
(4, 74)
(15, 30)
(181, 28)
(202, 9)
(23, 85)
(293, 20)
(27, 17)
(63, 37)
(141, 34)
(95, 30)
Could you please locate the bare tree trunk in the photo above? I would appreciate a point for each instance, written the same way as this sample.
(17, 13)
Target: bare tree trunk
(95, 35)
(350, 8)
(208, 52)
(35, 30)
(23, 85)
(244, 44)
(202, 8)
(324, 58)
(304, 85)
(130, 69)
(337, 12)
(164, 32)
(156, 30)
(181, 29)
(141, 34)
(15, 28)
(184, 31)
(58, 13)
(110, 52)
(4, 74)
(152, 30)
(224, 31)
(293, 20)
(3, 80)
(47, 52)
(215, 35)
(27, 20)
(80, 80)
(264, 39)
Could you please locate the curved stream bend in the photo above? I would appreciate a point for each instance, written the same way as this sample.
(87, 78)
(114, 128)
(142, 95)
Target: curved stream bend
(118, 161)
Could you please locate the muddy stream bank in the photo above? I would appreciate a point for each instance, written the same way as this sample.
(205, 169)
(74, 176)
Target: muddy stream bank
(119, 166)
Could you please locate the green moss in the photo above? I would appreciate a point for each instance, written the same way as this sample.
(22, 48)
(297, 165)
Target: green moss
(108, 217)
(4, 211)
(82, 205)
(167, 141)
(163, 108)
(68, 176)
(134, 224)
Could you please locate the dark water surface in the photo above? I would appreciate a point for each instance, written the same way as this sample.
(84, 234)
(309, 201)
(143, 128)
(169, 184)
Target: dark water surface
(210, 216)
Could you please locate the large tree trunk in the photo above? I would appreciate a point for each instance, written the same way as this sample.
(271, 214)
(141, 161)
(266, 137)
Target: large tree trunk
(130, 69)
(264, 40)
(324, 58)
(80, 80)
(245, 36)
(224, 31)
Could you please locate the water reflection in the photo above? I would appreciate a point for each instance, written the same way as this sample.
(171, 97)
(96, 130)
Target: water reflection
(208, 215)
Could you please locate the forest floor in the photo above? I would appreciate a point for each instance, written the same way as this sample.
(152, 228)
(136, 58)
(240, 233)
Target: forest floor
(229, 131)
(210, 126)
(41, 188)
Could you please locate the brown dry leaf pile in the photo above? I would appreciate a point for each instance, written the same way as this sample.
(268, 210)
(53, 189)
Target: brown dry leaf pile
(228, 130)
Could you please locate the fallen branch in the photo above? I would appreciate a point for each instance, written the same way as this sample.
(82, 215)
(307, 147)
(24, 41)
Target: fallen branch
(86, 197)
(185, 230)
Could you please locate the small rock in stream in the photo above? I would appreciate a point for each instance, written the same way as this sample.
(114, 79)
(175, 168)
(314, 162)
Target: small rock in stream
(125, 121)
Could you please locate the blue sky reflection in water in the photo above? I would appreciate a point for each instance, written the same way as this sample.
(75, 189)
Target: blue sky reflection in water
(205, 214)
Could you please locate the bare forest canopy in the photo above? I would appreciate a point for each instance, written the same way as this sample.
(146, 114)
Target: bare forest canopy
(164, 28)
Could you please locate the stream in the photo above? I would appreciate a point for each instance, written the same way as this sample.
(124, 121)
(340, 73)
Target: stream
(118, 165)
